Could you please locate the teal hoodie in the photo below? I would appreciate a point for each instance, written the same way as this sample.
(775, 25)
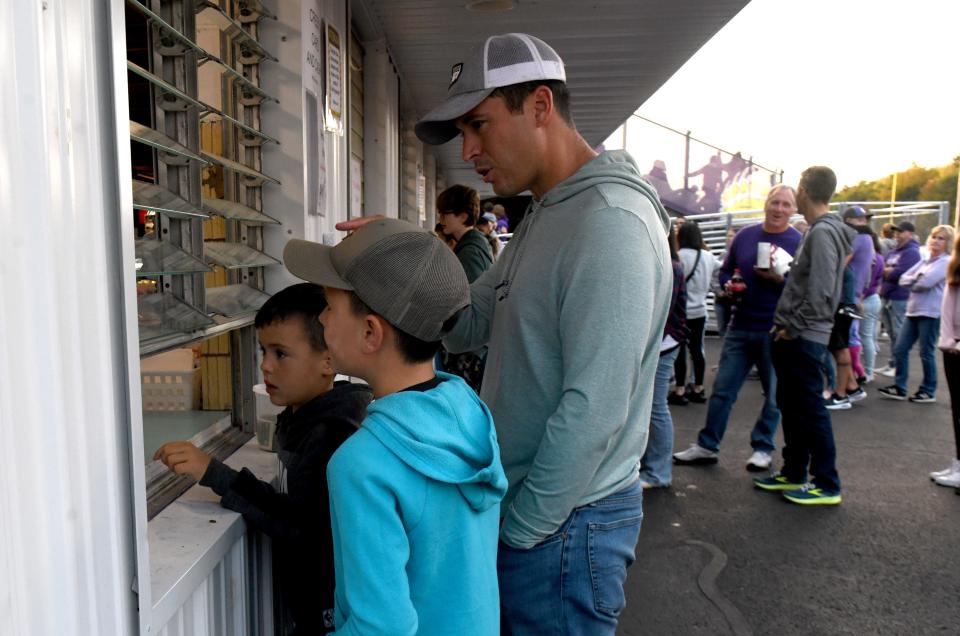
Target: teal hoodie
(573, 312)
(414, 500)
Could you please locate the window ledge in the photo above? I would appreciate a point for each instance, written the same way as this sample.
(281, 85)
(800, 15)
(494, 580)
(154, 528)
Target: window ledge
(193, 534)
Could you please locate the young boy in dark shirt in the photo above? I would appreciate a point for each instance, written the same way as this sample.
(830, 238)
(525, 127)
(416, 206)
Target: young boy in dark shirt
(319, 417)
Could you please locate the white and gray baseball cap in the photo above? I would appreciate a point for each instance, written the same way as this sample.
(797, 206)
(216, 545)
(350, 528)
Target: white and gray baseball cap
(399, 270)
(502, 60)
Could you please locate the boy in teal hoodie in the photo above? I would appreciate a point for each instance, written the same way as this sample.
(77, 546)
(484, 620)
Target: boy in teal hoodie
(415, 493)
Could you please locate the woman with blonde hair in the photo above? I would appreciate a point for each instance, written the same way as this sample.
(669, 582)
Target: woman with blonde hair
(926, 281)
(950, 345)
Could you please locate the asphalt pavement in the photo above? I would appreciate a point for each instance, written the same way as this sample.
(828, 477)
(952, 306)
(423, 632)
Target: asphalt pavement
(717, 556)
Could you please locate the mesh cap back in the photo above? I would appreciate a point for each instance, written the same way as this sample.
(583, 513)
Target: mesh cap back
(502, 60)
(401, 271)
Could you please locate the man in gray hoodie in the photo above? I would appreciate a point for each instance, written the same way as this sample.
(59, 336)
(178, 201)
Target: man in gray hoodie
(573, 313)
(802, 324)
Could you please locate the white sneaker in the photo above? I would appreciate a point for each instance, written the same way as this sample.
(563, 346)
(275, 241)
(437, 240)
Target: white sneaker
(951, 480)
(759, 461)
(954, 468)
(696, 454)
(887, 372)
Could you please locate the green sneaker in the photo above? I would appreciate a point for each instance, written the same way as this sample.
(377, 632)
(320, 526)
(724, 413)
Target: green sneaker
(810, 495)
(776, 482)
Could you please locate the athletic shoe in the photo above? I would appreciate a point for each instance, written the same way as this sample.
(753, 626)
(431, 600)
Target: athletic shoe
(648, 485)
(697, 396)
(810, 495)
(867, 379)
(677, 400)
(776, 482)
(856, 396)
(892, 392)
(837, 403)
(951, 480)
(954, 468)
(696, 454)
(922, 397)
(760, 460)
(887, 372)
(850, 310)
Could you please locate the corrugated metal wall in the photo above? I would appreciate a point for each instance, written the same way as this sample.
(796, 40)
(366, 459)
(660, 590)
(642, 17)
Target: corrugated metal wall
(219, 605)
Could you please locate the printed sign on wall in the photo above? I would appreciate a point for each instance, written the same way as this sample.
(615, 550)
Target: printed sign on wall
(334, 81)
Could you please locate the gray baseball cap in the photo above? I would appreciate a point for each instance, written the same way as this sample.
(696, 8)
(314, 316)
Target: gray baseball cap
(402, 272)
(502, 60)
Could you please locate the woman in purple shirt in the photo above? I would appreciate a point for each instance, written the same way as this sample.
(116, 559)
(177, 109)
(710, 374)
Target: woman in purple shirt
(925, 280)
(871, 312)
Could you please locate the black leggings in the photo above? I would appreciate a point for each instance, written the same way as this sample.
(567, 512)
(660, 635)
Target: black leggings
(695, 346)
(951, 368)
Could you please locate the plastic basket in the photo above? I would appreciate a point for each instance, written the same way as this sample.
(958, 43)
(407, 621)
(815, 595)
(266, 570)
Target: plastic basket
(169, 390)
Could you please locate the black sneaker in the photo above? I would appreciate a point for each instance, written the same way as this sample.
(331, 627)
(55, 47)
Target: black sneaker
(922, 397)
(677, 400)
(892, 392)
(856, 396)
(699, 397)
(837, 403)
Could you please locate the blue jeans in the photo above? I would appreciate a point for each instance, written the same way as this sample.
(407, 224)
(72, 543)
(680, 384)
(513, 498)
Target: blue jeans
(893, 313)
(807, 431)
(656, 466)
(868, 331)
(742, 350)
(927, 330)
(571, 583)
(723, 315)
(829, 370)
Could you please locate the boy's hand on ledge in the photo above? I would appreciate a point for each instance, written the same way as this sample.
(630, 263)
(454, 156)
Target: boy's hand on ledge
(184, 458)
(356, 224)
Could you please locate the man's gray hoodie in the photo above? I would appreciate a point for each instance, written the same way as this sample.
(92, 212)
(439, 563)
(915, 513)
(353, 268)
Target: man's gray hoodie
(812, 293)
(573, 312)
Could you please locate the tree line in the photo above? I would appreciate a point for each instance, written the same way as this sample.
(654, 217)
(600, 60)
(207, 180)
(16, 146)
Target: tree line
(913, 184)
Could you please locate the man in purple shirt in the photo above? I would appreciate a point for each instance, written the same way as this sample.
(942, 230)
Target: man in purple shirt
(747, 342)
(898, 260)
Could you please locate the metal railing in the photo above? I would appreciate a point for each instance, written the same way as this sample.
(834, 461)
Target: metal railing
(925, 215)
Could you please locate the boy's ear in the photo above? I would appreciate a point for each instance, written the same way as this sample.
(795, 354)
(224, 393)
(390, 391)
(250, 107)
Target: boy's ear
(376, 330)
(326, 364)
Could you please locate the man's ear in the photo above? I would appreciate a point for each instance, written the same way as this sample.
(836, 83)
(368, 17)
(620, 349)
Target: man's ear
(541, 101)
(375, 332)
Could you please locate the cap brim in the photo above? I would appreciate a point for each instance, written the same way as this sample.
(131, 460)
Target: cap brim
(311, 262)
(436, 127)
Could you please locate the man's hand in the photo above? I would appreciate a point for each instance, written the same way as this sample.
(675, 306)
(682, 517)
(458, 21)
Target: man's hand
(184, 458)
(782, 334)
(768, 275)
(356, 224)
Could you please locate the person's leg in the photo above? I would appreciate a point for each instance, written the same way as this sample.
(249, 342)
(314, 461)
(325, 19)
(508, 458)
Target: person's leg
(901, 351)
(765, 428)
(951, 369)
(656, 466)
(572, 584)
(697, 328)
(898, 312)
(928, 330)
(829, 371)
(844, 372)
(733, 370)
(796, 455)
(722, 313)
(868, 332)
(531, 582)
(680, 371)
(816, 417)
(855, 366)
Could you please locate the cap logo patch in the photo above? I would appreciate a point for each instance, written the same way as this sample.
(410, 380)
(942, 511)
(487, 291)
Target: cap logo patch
(455, 73)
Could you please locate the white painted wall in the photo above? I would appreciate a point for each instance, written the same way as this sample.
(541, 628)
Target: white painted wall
(66, 526)
(381, 136)
(285, 80)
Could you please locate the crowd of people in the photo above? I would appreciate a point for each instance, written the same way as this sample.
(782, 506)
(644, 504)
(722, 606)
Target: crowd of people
(509, 500)
(887, 275)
